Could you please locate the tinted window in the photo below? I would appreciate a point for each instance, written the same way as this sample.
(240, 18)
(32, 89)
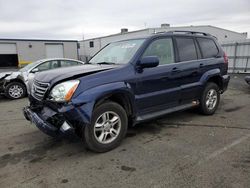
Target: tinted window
(208, 47)
(163, 49)
(186, 48)
(67, 63)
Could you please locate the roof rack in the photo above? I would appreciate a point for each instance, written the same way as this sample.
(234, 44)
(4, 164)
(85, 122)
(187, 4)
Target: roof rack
(187, 32)
(190, 32)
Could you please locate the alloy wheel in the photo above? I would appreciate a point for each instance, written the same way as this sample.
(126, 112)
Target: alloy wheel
(211, 99)
(107, 127)
(16, 91)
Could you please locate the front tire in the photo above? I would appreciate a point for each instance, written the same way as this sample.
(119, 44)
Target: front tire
(210, 99)
(15, 90)
(108, 127)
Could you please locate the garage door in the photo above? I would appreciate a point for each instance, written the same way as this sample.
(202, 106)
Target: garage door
(54, 50)
(8, 55)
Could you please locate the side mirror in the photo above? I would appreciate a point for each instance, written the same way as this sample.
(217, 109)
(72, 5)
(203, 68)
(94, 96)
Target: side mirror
(149, 61)
(34, 70)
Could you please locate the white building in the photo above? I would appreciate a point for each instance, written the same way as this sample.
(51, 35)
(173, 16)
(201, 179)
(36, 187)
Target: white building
(89, 47)
(19, 52)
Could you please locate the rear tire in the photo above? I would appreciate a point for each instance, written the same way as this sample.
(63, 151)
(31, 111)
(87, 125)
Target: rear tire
(108, 127)
(15, 90)
(210, 99)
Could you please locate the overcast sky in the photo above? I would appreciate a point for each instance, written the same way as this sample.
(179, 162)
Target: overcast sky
(73, 19)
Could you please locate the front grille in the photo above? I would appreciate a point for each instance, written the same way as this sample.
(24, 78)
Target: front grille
(39, 89)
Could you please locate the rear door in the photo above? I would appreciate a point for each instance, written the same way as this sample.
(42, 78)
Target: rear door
(196, 55)
(189, 65)
(210, 54)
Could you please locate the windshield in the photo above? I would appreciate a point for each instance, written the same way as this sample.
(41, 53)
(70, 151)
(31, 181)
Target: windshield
(29, 66)
(117, 52)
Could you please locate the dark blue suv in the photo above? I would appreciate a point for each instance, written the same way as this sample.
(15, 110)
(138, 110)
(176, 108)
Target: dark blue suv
(128, 82)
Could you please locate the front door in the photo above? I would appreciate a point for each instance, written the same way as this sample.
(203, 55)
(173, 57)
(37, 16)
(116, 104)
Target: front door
(158, 88)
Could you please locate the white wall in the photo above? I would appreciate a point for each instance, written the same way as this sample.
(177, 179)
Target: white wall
(221, 34)
(86, 51)
(8, 48)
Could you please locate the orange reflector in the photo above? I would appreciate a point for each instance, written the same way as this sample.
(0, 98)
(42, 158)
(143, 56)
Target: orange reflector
(70, 92)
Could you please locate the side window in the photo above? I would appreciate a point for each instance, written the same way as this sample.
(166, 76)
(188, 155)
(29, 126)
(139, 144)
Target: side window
(44, 66)
(186, 49)
(163, 49)
(208, 47)
(67, 63)
(54, 64)
(47, 65)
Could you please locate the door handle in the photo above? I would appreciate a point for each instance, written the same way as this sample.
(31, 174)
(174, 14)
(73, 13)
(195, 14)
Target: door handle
(201, 65)
(175, 70)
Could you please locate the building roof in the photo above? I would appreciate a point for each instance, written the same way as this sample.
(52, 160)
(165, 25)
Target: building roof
(117, 34)
(37, 40)
(167, 28)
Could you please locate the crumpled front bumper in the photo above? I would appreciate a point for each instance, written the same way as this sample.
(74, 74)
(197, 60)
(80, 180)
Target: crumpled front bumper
(57, 119)
(46, 127)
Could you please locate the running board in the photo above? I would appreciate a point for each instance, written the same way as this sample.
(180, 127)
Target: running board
(167, 111)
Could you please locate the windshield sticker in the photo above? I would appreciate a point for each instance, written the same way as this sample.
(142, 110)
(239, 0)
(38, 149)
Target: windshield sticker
(128, 45)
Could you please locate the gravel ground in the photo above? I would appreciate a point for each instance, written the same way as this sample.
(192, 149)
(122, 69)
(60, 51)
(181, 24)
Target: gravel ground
(183, 149)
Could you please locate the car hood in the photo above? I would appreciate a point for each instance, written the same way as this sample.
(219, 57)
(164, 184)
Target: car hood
(5, 74)
(53, 76)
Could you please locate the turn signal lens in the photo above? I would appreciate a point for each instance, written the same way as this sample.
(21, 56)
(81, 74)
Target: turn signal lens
(70, 92)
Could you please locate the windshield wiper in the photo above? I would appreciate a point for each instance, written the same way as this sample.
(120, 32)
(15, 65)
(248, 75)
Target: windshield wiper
(105, 63)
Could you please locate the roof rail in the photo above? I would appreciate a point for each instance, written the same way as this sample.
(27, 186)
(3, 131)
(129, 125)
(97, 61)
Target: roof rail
(187, 32)
(190, 32)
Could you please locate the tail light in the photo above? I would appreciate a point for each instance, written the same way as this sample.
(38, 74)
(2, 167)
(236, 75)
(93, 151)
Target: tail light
(225, 58)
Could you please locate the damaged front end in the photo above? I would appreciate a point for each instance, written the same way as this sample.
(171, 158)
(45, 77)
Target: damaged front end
(53, 107)
(55, 119)
(3, 81)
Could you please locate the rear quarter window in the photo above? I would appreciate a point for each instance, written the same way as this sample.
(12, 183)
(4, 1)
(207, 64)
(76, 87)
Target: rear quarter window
(186, 49)
(208, 47)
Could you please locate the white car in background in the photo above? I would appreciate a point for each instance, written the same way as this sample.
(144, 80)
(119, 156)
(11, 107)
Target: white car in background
(15, 85)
